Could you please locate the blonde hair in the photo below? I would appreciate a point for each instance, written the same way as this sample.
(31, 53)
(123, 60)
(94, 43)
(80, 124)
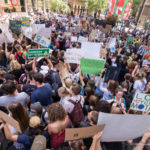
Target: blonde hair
(68, 83)
(63, 90)
(140, 76)
(14, 65)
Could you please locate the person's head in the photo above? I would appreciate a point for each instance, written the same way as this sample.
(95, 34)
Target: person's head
(0, 31)
(39, 79)
(89, 91)
(2, 73)
(19, 113)
(35, 127)
(77, 145)
(119, 93)
(103, 106)
(18, 47)
(91, 84)
(112, 86)
(28, 67)
(31, 75)
(9, 87)
(116, 110)
(56, 112)
(75, 89)
(148, 86)
(127, 76)
(93, 117)
(125, 86)
(93, 99)
(14, 65)
(140, 76)
(62, 92)
(68, 83)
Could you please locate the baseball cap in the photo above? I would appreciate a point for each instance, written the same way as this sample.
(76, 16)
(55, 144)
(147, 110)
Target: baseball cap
(36, 109)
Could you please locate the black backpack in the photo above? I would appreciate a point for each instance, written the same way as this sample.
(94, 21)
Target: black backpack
(20, 58)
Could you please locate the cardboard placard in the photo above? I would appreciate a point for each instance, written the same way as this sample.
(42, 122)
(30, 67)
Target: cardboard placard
(141, 102)
(10, 121)
(81, 133)
(107, 29)
(46, 32)
(82, 39)
(73, 39)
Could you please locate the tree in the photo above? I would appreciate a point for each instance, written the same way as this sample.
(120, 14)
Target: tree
(59, 5)
(92, 5)
(136, 4)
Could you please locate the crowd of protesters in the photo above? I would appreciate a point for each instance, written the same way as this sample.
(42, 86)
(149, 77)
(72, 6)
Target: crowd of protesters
(33, 92)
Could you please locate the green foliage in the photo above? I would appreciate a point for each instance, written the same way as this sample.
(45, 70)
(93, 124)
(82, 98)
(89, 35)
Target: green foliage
(59, 5)
(136, 4)
(92, 5)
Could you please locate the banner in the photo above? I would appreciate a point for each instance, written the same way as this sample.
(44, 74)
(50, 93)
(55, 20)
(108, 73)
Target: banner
(121, 5)
(82, 39)
(73, 56)
(46, 32)
(73, 39)
(111, 5)
(92, 66)
(42, 40)
(81, 133)
(120, 127)
(15, 26)
(36, 27)
(14, 2)
(10, 121)
(91, 50)
(127, 11)
(32, 53)
(141, 102)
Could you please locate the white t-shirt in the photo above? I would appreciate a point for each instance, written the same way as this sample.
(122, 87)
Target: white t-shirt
(139, 86)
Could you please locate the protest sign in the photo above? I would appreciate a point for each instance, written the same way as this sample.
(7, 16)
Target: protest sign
(93, 34)
(10, 121)
(27, 31)
(25, 23)
(32, 53)
(63, 71)
(82, 39)
(92, 66)
(15, 26)
(73, 39)
(68, 34)
(112, 42)
(141, 102)
(81, 133)
(45, 32)
(25, 18)
(42, 40)
(91, 50)
(112, 73)
(120, 127)
(36, 27)
(107, 29)
(73, 56)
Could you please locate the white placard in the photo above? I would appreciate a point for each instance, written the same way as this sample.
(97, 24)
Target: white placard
(27, 31)
(123, 127)
(45, 32)
(42, 40)
(73, 39)
(91, 50)
(82, 39)
(73, 56)
(112, 43)
(37, 27)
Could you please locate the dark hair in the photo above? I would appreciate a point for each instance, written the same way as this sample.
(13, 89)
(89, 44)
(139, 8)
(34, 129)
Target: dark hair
(28, 67)
(91, 84)
(88, 91)
(93, 99)
(103, 106)
(113, 85)
(9, 76)
(0, 31)
(76, 89)
(20, 114)
(56, 112)
(94, 117)
(35, 131)
(9, 87)
(38, 77)
(31, 75)
(73, 67)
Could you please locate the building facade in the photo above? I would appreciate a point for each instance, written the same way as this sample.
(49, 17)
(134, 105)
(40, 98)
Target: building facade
(24, 5)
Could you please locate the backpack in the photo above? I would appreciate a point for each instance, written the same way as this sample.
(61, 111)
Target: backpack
(20, 58)
(76, 115)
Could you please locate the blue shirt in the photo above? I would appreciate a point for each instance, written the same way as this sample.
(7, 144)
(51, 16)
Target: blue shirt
(43, 95)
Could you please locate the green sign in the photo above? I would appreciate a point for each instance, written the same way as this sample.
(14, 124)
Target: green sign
(32, 53)
(25, 18)
(91, 66)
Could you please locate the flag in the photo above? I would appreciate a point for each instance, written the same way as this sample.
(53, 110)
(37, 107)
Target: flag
(91, 66)
(111, 5)
(121, 5)
(127, 11)
(14, 2)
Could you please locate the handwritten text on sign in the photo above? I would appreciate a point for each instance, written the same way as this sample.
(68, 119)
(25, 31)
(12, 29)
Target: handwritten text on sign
(141, 102)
